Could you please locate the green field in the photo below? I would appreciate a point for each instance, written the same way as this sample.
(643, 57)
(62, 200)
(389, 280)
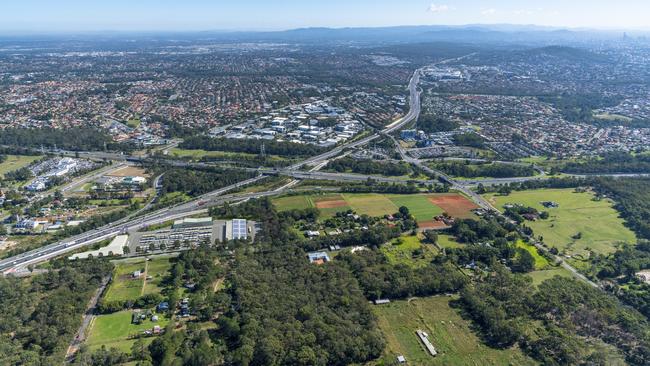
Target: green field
(418, 205)
(371, 204)
(405, 250)
(133, 122)
(157, 268)
(123, 285)
(15, 162)
(293, 203)
(198, 154)
(449, 333)
(597, 221)
(613, 117)
(113, 330)
(448, 241)
(540, 261)
(541, 276)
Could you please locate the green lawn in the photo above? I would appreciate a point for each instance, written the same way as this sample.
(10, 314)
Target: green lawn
(123, 285)
(448, 241)
(134, 122)
(405, 253)
(419, 206)
(540, 261)
(597, 221)
(449, 333)
(15, 162)
(371, 204)
(173, 198)
(293, 203)
(157, 268)
(541, 276)
(198, 154)
(113, 330)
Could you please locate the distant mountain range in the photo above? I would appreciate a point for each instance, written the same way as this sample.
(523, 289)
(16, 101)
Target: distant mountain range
(502, 33)
(473, 34)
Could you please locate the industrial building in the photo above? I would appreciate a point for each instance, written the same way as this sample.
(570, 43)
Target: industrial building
(193, 231)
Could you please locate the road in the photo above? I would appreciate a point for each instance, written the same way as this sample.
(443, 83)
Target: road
(81, 334)
(197, 206)
(413, 113)
(497, 181)
(21, 261)
(92, 176)
(200, 205)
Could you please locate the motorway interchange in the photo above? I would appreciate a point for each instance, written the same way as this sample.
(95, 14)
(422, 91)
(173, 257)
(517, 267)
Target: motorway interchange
(199, 205)
(18, 264)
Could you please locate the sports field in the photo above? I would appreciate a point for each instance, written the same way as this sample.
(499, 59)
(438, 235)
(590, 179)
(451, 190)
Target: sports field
(449, 333)
(113, 330)
(15, 162)
(578, 224)
(424, 207)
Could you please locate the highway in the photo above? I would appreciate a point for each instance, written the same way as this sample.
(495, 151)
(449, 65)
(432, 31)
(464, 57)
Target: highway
(413, 113)
(201, 204)
(196, 206)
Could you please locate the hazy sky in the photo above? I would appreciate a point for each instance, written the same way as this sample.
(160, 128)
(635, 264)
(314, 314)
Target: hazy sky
(84, 15)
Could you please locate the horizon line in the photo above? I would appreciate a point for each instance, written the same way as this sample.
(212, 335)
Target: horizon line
(44, 32)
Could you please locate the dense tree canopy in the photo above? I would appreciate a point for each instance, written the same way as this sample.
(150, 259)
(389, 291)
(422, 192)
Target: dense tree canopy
(290, 312)
(555, 322)
(39, 316)
(368, 167)
(495, 170)
(431, 124)
(251, 146)
(76, 139)
(196, 182)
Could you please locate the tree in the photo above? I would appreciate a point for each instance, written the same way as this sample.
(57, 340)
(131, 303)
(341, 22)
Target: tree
(126, 249)
(139, 351)
(523, 262)
(431, 236)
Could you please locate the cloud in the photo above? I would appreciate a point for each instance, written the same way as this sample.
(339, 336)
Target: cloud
(488, 12)
(435, 8)
(523, 12)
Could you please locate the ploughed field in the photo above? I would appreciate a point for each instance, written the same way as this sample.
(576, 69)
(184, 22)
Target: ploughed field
(424, 207)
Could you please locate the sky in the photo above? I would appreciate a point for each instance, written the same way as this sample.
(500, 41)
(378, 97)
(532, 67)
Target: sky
(193, 15)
